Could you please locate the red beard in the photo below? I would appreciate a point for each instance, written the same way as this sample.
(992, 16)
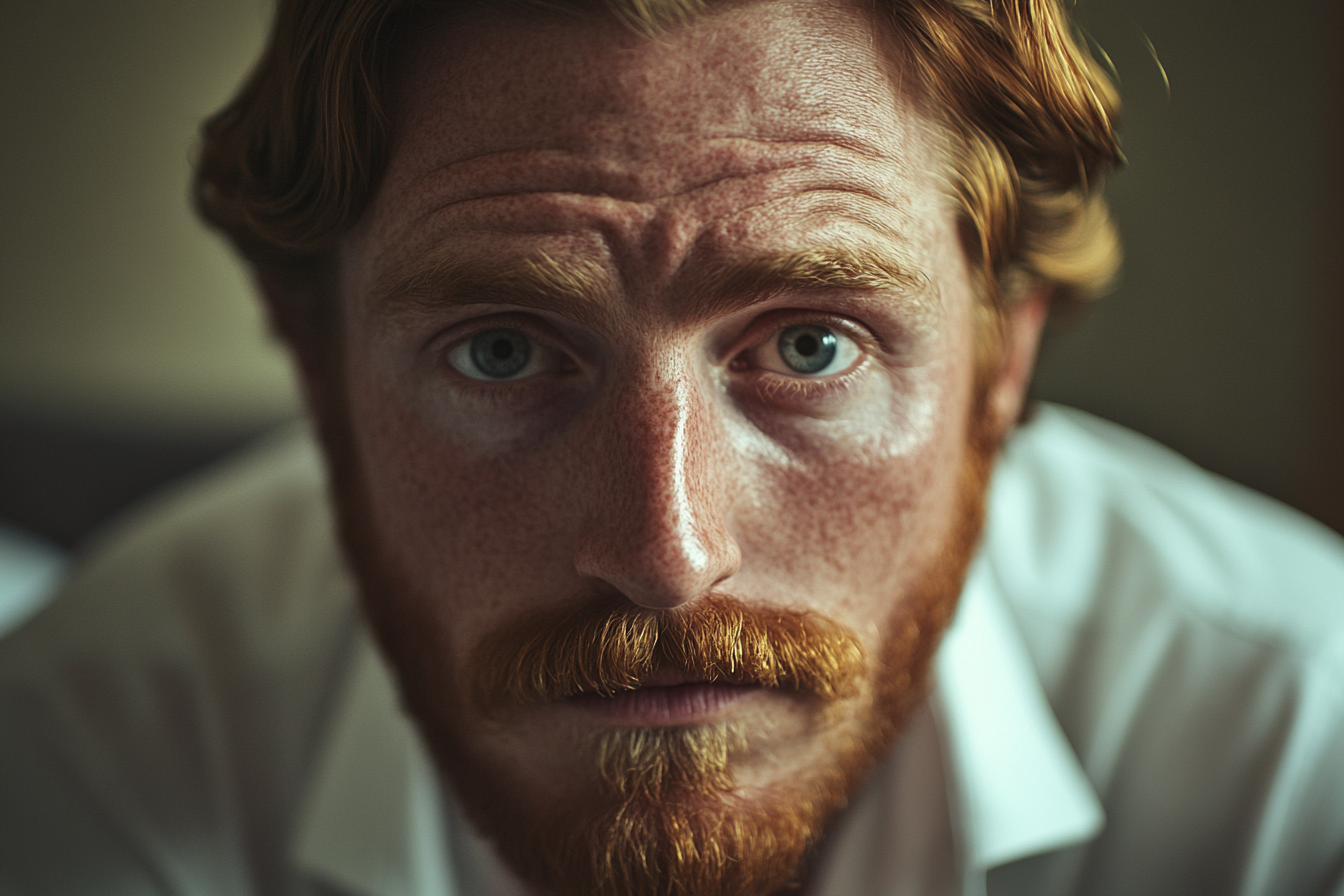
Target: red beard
(669, 816)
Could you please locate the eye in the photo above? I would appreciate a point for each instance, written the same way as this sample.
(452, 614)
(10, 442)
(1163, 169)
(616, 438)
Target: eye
(501, 354)
(810, 350)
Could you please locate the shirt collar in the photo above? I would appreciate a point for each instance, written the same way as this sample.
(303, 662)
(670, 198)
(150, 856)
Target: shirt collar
(1015, 783)
(373, 819)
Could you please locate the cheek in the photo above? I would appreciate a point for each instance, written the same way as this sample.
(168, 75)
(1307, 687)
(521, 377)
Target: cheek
(859, 513)
(472, 538)
(853, 525)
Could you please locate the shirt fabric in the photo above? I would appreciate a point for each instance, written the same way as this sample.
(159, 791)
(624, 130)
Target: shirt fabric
(29, 569)
(1142, 693)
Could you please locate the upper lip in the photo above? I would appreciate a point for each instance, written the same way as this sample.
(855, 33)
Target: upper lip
(668, 678)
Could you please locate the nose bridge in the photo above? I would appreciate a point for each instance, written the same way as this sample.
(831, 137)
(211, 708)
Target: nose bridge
(681, 511)
(657, 532)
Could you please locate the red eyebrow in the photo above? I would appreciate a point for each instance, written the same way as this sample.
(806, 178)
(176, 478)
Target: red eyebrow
(538, 281)
(545, 283)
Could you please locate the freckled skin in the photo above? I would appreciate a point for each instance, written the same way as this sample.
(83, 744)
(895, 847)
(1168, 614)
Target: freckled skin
(659, 465)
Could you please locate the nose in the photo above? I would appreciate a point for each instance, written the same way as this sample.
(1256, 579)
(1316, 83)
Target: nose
(655, 528)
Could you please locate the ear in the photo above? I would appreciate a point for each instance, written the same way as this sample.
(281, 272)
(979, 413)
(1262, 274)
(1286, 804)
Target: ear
(1022, 323)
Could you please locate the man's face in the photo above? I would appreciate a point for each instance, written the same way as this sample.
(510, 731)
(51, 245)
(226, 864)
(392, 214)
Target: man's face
(644, 326)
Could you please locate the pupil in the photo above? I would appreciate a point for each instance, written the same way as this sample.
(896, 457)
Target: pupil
(501, 349)
(806, 345)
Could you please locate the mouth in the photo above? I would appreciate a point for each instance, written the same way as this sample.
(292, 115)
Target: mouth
(667, 698)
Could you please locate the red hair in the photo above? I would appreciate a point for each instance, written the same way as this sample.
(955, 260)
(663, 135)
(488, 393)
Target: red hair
(294, 159)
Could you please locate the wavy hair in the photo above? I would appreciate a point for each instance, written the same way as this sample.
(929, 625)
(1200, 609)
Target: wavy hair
(293, 160)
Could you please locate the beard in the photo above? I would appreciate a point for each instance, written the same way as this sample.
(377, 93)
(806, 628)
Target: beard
(670, 815)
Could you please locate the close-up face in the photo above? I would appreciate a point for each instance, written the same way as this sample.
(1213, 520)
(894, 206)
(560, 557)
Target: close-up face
(634, 329)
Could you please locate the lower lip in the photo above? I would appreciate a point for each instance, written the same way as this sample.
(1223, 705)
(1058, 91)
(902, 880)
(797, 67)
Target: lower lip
(682, 704)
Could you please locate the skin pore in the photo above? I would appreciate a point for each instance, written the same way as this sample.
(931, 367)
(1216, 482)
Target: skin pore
(659, 325)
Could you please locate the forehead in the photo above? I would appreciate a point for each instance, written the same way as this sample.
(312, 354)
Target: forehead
(767, 70)
(511, 123)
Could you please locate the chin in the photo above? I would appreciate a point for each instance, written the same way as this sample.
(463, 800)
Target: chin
(729, 807)
(713, 809)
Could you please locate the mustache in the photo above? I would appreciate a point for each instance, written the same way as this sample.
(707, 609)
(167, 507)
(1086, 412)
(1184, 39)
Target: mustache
(610, 646)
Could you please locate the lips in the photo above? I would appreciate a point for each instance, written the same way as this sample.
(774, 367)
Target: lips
(671, 677)
(667, 698)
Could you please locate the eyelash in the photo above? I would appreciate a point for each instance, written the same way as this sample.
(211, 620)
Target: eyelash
(776, 388)
(767, 330)
(508, 394)
(769, 385)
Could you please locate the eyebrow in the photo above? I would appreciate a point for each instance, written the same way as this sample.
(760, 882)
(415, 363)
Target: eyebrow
(578, 285)
(736, 284)
(538, 281)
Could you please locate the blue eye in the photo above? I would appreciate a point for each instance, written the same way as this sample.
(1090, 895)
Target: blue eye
(807, 349)
(500, 354)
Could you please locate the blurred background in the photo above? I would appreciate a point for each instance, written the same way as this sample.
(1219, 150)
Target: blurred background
(131, 350)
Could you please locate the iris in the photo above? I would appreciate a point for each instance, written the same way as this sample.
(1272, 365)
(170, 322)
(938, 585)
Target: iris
(807, 349)
(500, 354)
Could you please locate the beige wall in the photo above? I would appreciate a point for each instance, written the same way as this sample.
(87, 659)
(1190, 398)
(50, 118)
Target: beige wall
(1218, 339)
(116, 308)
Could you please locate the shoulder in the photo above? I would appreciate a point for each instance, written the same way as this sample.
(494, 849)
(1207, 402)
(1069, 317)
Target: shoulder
(173, 685)
(1189, 635)
(250, 539)
(1080, 506)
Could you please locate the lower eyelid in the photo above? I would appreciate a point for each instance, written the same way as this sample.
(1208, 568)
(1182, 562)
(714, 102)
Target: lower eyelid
(772, 387)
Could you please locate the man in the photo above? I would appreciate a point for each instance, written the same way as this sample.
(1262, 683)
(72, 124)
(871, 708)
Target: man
(659, 356)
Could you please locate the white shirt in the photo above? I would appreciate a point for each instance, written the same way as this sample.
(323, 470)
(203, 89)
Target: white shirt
(29, 569)
(1142, 693)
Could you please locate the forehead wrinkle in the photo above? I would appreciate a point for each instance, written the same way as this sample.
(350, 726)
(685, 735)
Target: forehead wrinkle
(563, 172)
(576, 287)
